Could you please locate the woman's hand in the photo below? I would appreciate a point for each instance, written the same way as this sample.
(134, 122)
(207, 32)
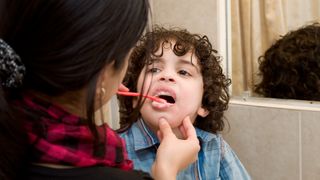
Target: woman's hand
(175, 154)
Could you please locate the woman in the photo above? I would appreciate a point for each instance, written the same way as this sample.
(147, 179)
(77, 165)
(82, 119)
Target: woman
(61, 60)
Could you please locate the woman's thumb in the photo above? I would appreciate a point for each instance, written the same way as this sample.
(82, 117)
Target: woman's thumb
(164, 127)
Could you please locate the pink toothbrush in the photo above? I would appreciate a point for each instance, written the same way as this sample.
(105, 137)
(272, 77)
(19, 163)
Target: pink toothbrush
(153, 98)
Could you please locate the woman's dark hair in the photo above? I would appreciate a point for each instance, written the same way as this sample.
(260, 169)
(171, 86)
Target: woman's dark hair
(290, 68)
(64, 45)
(215, 98)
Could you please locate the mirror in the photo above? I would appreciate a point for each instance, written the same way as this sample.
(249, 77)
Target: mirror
(255, 26)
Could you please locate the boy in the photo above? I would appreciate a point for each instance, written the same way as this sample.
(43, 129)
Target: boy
(183, 69)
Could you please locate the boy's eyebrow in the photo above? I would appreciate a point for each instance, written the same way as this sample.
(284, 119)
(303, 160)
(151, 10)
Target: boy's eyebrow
(155, 60)
(189, 62)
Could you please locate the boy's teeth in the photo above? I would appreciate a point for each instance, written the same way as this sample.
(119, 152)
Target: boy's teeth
(162, 93)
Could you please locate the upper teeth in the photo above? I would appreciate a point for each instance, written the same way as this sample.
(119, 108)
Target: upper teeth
(163, 93)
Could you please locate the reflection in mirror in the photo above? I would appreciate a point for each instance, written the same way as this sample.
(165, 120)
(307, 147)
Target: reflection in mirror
(290, 68)
(255, 26)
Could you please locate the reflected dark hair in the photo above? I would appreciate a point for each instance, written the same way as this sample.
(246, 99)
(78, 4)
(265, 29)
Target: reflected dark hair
(215, 98)
(290, 68)
(64, 45)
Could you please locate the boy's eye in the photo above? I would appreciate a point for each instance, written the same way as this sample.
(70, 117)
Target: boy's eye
(154, 70)
(184, 72)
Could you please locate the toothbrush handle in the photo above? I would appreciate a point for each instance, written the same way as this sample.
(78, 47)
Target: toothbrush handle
(124, 93)
(143, 95)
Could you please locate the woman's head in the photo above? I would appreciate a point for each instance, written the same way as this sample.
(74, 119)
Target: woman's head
(191, 47)
(290, 68)
(67, 45)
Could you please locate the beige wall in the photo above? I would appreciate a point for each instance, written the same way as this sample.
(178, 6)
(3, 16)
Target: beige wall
(276, 143)
(194, 15)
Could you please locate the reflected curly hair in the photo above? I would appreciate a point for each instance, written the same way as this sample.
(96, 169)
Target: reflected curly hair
(215, 98)
(290, 68)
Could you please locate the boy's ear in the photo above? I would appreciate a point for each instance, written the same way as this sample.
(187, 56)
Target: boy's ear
(202, 112)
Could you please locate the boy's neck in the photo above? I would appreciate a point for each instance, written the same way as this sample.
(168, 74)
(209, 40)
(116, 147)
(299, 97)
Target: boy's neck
(154, 129)
(178, 133)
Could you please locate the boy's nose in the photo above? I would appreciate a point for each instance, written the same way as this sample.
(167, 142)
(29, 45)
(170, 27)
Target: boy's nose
(167, 78)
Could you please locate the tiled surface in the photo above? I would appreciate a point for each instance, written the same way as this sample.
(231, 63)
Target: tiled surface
(310, 131)
(266, 141)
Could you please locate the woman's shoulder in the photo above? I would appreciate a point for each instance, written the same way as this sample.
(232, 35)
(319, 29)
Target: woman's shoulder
(86, 173)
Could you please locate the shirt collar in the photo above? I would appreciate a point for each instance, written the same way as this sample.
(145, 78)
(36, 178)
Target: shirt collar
(145, 138)
(205, 136)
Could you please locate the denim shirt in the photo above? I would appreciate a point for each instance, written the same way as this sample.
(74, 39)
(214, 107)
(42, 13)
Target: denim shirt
(216, 160)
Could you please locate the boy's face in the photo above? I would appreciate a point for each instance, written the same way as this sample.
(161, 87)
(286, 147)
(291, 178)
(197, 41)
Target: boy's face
(179, 81)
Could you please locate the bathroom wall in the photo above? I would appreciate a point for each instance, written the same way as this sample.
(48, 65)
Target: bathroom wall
(276, 139)
(194, 15)
(205, 17)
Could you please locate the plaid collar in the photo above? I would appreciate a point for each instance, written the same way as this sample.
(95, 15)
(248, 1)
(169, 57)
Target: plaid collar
(58, 137)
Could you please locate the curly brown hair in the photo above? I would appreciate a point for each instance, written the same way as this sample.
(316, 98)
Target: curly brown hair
(215, 98)
(290, 68)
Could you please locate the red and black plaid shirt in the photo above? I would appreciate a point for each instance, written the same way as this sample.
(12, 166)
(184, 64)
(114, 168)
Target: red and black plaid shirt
(58, 137)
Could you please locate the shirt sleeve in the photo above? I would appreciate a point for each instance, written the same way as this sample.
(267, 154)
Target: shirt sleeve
(230, 166)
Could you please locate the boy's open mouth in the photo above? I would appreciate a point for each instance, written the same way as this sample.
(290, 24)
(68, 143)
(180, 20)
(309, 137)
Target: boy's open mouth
(168, 98)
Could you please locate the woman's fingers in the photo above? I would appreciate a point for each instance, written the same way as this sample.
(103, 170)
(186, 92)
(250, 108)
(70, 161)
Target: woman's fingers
(173, 152)
(164, 129)
(188, 129)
